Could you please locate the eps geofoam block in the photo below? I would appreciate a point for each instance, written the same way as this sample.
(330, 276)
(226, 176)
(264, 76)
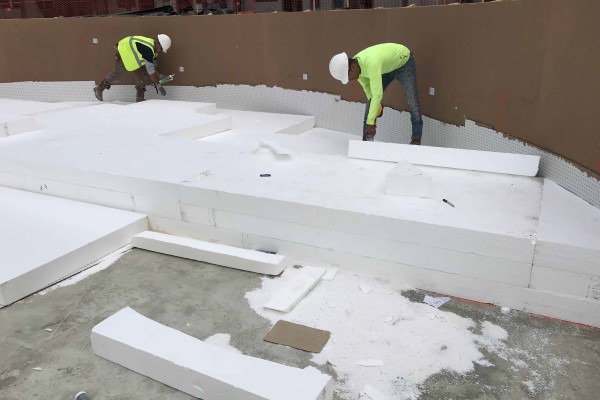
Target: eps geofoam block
(200, 369)
(227, 256)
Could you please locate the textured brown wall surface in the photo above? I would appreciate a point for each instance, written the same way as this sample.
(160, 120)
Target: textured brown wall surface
(528, 68)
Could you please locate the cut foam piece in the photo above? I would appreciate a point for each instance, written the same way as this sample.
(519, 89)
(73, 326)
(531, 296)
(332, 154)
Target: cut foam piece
(330, 273)
(46, 239)
(295, 290)
(475, 160)
(16, 124)
(24, 107)
(218, 254)
(278, 150)
(565, 282)
(253, 121)
(128, 121)
(567, 254)
(568, 220)
(160, 106)
(407, 180)
(315, 141)
(200, 369)
(568, 308)
(373, 393)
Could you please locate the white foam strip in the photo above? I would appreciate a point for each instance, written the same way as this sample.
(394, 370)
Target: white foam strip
(200, 369)
(218, 254)
(15, 124)
(295, 289)
(475, 160)
(215, 124)
(164, 106)
(278, 150)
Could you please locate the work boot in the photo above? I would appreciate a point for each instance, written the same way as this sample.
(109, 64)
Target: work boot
(100, 88)
(139, 94)
(416, 142)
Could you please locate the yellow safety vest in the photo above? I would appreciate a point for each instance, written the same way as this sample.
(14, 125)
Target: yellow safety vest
(132, 59)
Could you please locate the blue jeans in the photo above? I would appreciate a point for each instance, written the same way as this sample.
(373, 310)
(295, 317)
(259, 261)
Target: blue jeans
(407, 76)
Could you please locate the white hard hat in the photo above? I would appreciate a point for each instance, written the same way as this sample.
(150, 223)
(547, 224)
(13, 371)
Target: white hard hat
(338, 67)
(165, 42)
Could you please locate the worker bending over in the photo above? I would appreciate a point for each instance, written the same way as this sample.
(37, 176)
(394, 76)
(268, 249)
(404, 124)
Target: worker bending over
(133, 53)
(375, 67)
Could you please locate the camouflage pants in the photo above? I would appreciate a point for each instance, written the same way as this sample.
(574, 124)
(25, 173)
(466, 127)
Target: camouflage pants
(142, 79)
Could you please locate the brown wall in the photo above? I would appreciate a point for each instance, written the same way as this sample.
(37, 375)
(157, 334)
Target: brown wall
(529, 68)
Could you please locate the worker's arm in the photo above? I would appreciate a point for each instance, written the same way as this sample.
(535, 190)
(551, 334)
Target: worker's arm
(376, 88)
(152, 68)
(364, 82)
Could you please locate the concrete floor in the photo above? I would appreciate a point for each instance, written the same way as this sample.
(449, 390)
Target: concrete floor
(201, 300)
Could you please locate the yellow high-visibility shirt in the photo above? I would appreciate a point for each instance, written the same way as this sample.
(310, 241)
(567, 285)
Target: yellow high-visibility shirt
(130, 55)
(375, 61)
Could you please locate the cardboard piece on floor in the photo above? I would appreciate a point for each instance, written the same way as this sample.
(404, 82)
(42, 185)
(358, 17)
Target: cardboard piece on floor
(298, 336)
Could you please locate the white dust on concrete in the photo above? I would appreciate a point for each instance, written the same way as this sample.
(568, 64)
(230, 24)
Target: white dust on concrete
(222, 340)
(101, 265)
(417, 342)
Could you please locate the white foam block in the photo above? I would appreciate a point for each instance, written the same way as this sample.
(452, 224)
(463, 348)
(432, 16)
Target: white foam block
(166, 105)
(563, 282)
(373, 393)
(227, 256)
(407, 180)
(296, 289)
(45, 239)
(546, 303)
(278, 150)
(566, 219)
(24, 107)
(15, 124)
(475, 160)
(200, 369)
(253, 121)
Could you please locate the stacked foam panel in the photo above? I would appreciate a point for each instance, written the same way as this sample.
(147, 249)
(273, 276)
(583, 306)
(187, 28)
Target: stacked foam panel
(45, 239)
(325, 209)
(567, 254)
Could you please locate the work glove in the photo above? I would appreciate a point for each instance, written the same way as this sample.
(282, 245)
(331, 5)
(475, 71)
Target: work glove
(369, 132)
(161, 90)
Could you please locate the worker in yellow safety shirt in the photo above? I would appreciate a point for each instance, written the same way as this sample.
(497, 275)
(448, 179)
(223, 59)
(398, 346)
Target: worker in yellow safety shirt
(375, 68)
(137, 54)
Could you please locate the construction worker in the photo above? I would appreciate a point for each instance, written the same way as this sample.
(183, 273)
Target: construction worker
(375, 67)
(133, 53)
